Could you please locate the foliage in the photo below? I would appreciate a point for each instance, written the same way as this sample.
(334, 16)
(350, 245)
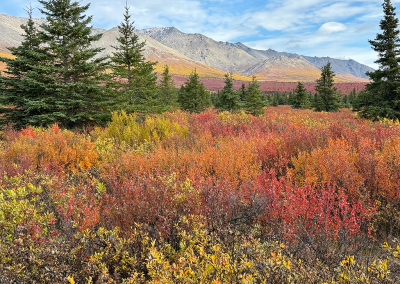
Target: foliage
(125, 128)
(228, 99)
(383, 91)
(167, 92)
(382, 97)
(72, 75)
(134, 79)
(253, 100)
(193, 96)
(300, 97)
(327, 96)
(285, 197)
(20, 98)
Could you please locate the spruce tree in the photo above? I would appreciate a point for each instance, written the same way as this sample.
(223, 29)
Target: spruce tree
(228, 99)
(254, 103)
(318, 103)
(75, 76)
(193, 96)
(275, 100)
(243, 93)
(22, 100)
(167, 92)
(382, 96)
(300, 97)
(215, 98)
(328, 97)
(134, 79)
(146, 97)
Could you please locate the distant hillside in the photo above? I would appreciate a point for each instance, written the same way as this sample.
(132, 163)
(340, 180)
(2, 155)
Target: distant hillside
(227, 56)
(341, 66)
(283, 69)
(212, 59)
(203, 49)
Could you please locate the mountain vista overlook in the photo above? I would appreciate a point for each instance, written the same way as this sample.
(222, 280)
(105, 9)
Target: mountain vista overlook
(185, 52)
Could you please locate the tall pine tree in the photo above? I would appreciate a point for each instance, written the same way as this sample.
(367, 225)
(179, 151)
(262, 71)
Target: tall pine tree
(22, 100)
(327, 95)
(193, 96)
(382, 96)
(75, 76)
(229, 99)
(254, 103)
(134, 79)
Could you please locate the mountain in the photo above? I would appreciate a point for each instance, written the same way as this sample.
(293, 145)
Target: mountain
(185, 52)
(341, 66)
(10, 30)
(227, 56)
(259, 54)
(10, 35)
(203, 49)
(284, 68)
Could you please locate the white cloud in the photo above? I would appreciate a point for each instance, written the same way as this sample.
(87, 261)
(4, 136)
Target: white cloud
(332, 27)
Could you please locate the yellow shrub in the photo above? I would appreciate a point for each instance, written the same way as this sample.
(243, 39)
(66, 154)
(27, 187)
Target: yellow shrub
(234, 118)
(125, 128)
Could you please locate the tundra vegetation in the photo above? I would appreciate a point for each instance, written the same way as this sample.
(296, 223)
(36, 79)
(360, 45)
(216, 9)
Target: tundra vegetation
(245, 193)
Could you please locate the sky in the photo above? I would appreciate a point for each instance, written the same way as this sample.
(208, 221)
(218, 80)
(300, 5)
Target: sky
(337, 28)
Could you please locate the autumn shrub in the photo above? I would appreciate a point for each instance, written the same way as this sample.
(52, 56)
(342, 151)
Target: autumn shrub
(203, 257)
(292, 196)
(50, 149)
(319, 222)
(128, 129)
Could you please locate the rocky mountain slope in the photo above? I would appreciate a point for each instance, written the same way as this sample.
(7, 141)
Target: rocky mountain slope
(10, 30)
(185, 52)
(203, 49)
(226, 56)
(284, 68)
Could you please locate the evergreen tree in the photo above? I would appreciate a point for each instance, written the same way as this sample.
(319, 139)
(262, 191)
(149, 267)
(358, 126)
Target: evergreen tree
(352, 97)
(167, 92)
(22, 100)
(146, 97)
(215, 98)
(254, 103)
(300, 97)
(243, 93)
(275, 100)
(282, 98)
(311, 99)
(193, 96)
(328, 97)
(134, 79)
(318, 103)
(346, 101)
(74, 76)
(382, 96)
(228, 99)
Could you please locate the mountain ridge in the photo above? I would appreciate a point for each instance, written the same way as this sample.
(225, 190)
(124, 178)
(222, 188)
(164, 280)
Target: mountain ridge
(184, 52)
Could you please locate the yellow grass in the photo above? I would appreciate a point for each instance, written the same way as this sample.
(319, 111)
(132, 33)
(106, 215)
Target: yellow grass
(6, 55)
(203, 71)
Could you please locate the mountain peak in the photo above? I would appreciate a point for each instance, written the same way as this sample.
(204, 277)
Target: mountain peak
(159, 32)
(168, 45)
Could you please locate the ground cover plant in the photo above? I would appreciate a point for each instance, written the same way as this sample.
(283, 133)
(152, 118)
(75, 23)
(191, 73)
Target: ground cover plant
(290, 196)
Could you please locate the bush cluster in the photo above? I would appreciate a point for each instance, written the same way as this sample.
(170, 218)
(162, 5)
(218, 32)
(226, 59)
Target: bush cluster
(291, 196)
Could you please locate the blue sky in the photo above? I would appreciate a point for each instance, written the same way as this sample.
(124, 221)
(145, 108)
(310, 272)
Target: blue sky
(335, 28)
